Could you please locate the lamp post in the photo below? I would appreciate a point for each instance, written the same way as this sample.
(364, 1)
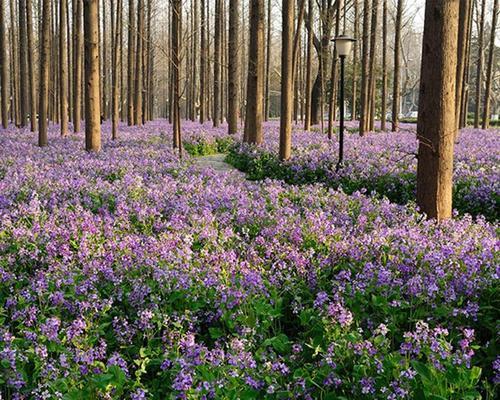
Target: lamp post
(343, 45)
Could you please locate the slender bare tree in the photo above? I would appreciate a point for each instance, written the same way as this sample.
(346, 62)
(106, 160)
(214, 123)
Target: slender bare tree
(92, 75)
(489, 69)
(44, 73)
(131, 63)
(396, 91)
(31, 65)
(63, 65)
(479, 65)
(3, 69)
(288, 10)
(234, 70)
(255, 95)
(77, 63)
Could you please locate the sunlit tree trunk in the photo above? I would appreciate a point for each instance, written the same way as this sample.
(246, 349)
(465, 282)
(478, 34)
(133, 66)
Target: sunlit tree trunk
(307, 119)
(44, 73)
(355, 63)
(31, 65)
(396, 85)
(63, 65)
(363, 121)
(267, 99)
(436, 119)
(3, 69)
(489, 69)
(384, 67)
(131, 63)
(77, 63)
(333, 78)
(23, 65)
(217, 63)
(463, 29)
(139, 64)
(234, 70)
(92, 75)
(479, 69)
(203, 62)
(176, 67)
(288, 10)
(254, 106)
(372, 72)
(116, 54)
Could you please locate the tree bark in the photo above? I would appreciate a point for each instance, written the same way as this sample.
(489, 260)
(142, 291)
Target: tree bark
(463, 29)
(254, 114)
(92, 75)
(363, 121)
(31, 65)
(138, 87)
(307, 119)
(3, 69)
(268, 62)
(489, 69)
(23, 64)
(203, 62)
(355, 63)
(77, 63)
(384, 68)
(63, 64)
(44, 73)
(217, 63)
(116, 89)
(396, 86)
(234, 43)
(479, 69)
(176, 67)
(288, 10)
(436, 119)
(372, 73)
(332, 108)
(131, 64)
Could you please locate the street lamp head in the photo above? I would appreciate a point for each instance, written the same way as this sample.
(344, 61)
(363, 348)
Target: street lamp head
(343, 45)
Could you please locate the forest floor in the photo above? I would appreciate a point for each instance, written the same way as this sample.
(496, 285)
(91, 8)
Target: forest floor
(216, 162)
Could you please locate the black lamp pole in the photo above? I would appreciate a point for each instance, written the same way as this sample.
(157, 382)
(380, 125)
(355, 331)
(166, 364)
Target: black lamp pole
(341, 133)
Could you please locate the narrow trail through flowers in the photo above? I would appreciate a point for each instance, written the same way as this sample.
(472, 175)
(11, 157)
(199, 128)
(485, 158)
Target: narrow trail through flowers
(216, 162)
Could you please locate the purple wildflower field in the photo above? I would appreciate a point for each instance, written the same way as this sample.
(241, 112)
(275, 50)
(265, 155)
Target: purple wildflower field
(131, 274)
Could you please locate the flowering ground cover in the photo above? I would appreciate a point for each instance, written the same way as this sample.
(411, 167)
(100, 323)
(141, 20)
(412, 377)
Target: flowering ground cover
(383, 163)
(131, 274)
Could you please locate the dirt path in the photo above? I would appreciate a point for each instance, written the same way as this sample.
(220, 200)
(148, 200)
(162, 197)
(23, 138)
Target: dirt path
(216, 162)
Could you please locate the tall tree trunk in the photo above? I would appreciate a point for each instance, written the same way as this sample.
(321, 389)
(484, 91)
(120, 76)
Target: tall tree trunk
(372, 73)
(176, 67)
(63, 64)
(92, 75)
(396, 86)
(104, 62)
(355, 63)
(23, 64)
(44, 73)
(203, 62)
(489, 69)
(384, 67)
(217, 63)
(234, 70)
(116, 53)
(267, 99)
(307, 119)
(138, 64)
(332, 109)
(3, 69)
(288, 11)
(77, 63)
(254, 112)
(463, 30)
(14, 93)
(131, 63)
(363, 122)
(466, 87)
(436, 119)
(31, 65)
(479, 70)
